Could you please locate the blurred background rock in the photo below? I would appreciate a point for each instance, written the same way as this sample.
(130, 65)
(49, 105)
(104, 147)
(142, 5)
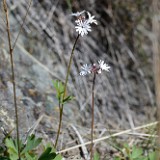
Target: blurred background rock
(125, 97)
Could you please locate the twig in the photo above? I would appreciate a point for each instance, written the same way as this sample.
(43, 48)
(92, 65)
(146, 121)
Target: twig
(107, 137)
(12, 67)
(84, 149)
(142, 134)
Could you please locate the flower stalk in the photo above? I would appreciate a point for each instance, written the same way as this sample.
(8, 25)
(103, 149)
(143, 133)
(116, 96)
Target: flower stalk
(94, 69)
(64, 94)
(92, 122)
(83, 27)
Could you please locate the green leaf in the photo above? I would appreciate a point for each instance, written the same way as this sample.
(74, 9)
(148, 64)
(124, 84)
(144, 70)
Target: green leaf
(11, 148)
(96, 156)
(49, 145)
(47, 154)
(58, 86)
(10, 145)
(143, 158)
(29, 157)
(32, 143)
(152, 155)
(59, 89)
(136, 152)
(127, 149)
(58, 157)
(67, 99)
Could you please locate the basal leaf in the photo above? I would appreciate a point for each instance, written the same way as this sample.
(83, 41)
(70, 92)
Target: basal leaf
(11, 148)
(47, 154)
(11, 145)
(136, 152)
(32, 143)
(152, 155)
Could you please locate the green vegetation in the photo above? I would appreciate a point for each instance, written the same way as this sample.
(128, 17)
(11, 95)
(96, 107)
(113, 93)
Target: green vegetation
(28, 150)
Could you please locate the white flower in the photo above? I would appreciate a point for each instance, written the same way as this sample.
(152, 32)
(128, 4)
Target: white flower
(95, 68)
(83, 25)
(85, 69)
(82, 28)
(103, 66)
(91, 19)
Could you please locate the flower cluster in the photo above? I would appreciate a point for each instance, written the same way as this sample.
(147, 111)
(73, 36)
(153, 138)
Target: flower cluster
(83, 24)
(95, 68)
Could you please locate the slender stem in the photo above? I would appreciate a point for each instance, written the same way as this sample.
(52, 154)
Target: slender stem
(69, 68)
(59, 126)
(92, 123)
(13, 75)
(65, 88)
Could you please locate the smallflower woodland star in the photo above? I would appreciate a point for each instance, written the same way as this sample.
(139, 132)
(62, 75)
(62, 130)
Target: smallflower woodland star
(83, 24)
(95, 68)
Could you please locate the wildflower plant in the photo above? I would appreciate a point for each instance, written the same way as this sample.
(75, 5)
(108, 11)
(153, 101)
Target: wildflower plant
(93, 69)
(83, 26)
(27, 149)
(135, 153)
(15, 149)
